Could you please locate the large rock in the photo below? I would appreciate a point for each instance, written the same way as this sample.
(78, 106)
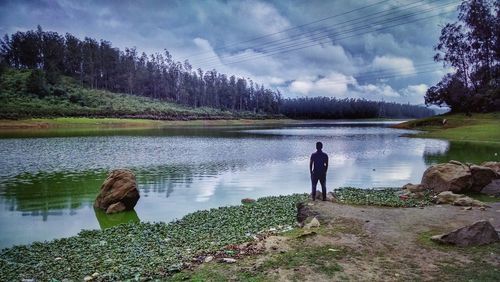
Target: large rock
(492, 189)
(493, 165)
(414, 187)
(305, 211)
(448, 197)
(453, 176)
(479, 233)
(118, 192)
(482, 176)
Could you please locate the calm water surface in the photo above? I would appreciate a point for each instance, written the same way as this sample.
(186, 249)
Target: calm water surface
(48, 183)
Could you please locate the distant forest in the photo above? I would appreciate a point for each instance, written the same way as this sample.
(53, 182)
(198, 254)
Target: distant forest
(99, 65)
(333, 108)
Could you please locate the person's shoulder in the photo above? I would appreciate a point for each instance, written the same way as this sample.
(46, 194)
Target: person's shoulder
(325, 154)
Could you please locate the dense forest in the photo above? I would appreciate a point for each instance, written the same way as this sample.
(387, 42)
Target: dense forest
(99, 65)
(333, 108)
(38, 63)
(472, 47)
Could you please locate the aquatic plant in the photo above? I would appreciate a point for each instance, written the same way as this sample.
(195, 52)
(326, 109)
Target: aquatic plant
(146, 250)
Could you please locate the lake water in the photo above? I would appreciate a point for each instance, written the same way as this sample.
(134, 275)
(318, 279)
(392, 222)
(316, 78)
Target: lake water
(48, 182)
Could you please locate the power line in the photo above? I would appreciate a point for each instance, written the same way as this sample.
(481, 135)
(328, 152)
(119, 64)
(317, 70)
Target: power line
(323, 30)
(291, 28)
(302, 46)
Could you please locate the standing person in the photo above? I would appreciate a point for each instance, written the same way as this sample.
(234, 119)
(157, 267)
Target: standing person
(318, 167)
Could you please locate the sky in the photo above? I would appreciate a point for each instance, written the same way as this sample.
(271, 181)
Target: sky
(371, 49)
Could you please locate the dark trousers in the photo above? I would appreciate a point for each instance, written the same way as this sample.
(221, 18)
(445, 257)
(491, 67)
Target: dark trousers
(322, 180)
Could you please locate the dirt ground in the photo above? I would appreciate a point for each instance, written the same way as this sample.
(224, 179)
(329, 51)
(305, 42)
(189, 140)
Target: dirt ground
(360, 243)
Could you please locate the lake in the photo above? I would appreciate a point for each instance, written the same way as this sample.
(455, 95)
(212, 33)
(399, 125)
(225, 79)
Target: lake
(48, 181)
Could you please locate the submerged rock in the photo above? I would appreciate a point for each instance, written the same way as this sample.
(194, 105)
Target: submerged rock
(479, 233)
(118, 192)
(453, 176)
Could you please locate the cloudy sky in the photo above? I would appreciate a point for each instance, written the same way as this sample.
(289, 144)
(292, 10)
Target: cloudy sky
(373, 49)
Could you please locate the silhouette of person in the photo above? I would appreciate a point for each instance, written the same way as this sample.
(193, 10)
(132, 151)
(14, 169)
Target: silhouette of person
(318, 166)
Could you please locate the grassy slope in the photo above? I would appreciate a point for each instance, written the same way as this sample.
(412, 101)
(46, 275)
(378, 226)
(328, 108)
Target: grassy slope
(459, 127)
(68, 99)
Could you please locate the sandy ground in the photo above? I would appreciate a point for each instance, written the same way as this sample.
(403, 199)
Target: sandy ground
(373, 244)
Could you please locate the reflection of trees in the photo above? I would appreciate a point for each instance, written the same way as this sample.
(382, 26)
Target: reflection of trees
(464, 152)
(110, 220)
(164, 179)
(50, 194)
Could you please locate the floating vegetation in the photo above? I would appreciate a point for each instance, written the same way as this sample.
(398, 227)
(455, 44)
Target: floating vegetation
(146, 250)
(389, 197)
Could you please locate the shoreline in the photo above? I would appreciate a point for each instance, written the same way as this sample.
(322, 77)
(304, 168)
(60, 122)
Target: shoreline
(456, 127)
(180, 248)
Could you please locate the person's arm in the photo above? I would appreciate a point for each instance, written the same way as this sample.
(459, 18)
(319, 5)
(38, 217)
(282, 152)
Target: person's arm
(326, 164)
(311, 165)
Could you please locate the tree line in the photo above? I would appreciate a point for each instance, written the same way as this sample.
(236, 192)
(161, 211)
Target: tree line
(334, 108)
(471, 46)
(99, 65)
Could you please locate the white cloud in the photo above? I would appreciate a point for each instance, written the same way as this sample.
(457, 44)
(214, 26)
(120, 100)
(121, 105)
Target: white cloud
(391, 63)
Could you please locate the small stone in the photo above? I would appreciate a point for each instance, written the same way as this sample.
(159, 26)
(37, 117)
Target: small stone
(247, 201)
(88, 278)
(333, 250)
(228, 260)
(467, 208)
(58, 258)
(95, 274)
(313, 224)
(482, 208)
(208, 259)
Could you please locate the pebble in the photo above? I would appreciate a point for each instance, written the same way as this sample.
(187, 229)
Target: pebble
(95, 274)
(228, 260)
(88, 278)
(467, 208)
(208, 259)
(58, 258)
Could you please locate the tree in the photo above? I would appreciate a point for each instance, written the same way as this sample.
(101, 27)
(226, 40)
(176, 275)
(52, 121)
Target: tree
(471, 47)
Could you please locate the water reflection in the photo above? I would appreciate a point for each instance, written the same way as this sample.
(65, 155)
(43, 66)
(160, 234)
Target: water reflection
(464, 152)
(110, 220)
(48, 185)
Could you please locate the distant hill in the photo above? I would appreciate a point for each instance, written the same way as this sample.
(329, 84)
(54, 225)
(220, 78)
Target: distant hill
(25, 94)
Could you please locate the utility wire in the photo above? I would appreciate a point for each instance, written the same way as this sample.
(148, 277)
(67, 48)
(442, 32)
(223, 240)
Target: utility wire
(323, 30)
(302, 46)
(288, 29)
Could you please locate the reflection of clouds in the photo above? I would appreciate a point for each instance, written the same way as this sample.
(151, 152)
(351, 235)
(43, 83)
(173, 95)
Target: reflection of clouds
(205, 190)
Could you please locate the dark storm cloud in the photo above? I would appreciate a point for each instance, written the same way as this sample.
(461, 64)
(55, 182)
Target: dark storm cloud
(332, 68)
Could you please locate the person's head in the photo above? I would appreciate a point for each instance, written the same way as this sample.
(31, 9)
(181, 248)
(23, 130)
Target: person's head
(319, 146)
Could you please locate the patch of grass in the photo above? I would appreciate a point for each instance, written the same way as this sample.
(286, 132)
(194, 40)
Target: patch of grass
(483, 197)
(459, 127)
(478, 270)
(321, 259)
(146, 250)
(379, 197)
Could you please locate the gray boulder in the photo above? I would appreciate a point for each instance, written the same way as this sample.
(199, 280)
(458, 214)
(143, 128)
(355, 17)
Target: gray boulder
(482, 176)
(479, 233)
(492, 189)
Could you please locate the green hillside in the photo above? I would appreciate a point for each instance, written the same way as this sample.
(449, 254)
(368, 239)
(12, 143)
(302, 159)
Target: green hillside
(25, 94)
